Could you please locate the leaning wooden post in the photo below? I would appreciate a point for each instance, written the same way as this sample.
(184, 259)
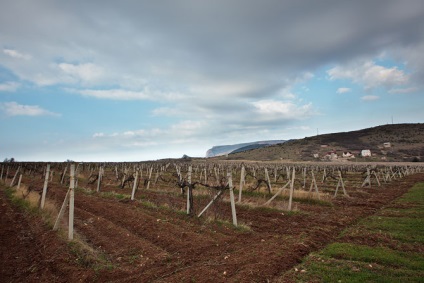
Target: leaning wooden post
(314, 184)
(123, 177)
(242, 181)
(291, 189)
(71, 204)
(210, 203)
(19, 182)
(233, 205)
(61, 212)
(277, 193)
(46, 182)
(14, 177)
(64, 173)
(134, 185)
(342, 184)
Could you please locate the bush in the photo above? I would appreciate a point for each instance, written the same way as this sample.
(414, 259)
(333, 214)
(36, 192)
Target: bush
(416, 159)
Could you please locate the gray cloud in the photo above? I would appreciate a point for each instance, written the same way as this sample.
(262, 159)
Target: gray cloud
(260, 41)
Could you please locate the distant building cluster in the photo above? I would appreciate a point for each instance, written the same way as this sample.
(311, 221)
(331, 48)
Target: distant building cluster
(332, 155)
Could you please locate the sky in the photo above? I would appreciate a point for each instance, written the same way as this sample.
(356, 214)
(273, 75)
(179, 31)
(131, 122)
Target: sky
(139, 80)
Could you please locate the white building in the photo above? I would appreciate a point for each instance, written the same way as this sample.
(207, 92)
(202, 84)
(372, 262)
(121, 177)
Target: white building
(366, 153)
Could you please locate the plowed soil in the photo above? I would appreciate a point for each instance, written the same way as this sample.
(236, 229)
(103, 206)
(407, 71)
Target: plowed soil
(151, 239)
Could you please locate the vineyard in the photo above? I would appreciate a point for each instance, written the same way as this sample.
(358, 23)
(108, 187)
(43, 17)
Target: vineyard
(179, 221)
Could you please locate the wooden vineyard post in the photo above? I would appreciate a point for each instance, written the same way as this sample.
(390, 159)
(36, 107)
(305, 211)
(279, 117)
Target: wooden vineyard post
(134, 185)
(69, 196)
(367, 179)
(99, 178)
(314, 184)
(64, 173)
(76, 176)
(376, 177)
(71, 204)
(216, 175)
(46, 182)
(123, 177)
(268, 180)
(61, 212)
(150, 176)
(291, 189)
(189, 192)
(275, 174)
(233, 205)
(277, 193)
(242, 182)
(324, 175)
(2, 170)
(19, 181)
(210, 203)
(342, 184)
(14, 177)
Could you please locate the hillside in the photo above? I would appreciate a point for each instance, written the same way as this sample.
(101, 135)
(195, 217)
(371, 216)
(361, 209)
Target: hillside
(406, 144)
(226, 149)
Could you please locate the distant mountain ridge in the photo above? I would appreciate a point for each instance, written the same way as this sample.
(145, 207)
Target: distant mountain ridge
(228, 149)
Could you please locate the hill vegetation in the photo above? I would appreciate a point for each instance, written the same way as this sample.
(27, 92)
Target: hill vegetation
(226, 149)
(397, 142)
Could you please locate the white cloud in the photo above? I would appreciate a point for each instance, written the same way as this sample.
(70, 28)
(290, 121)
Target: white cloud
(87, 72)
(370, 97)
(9, 86)
(341, 90)
(122, 94)
(117, 94)
(180, 133)
(403, 90)
(369, 75)
(223, 88)
(286, 110)
(15, 109)
(15, 54)
(286, 93)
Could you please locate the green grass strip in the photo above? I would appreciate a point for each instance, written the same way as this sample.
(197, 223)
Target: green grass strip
(378, 255)
(402, 221)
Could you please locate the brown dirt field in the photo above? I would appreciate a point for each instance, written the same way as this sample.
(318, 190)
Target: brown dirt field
(152, 240)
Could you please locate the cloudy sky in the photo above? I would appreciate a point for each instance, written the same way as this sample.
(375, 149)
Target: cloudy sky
(139, 80)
